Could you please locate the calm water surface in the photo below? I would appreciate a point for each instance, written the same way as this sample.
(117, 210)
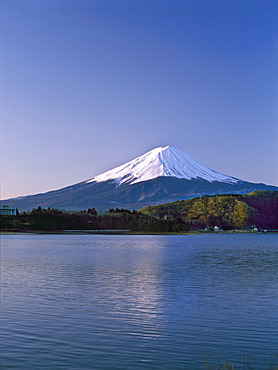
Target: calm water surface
(139, 302)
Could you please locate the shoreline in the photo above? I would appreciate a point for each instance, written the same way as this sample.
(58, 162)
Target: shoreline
(128, 232)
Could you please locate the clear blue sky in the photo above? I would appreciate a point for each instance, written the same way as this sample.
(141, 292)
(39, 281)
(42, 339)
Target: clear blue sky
(87, 85)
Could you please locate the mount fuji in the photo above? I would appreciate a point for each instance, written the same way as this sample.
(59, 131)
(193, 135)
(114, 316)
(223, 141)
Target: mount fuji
(163, 161)
(164, 174)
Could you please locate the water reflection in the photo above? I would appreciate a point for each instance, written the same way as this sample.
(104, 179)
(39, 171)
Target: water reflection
(123, 282)
(136, 302)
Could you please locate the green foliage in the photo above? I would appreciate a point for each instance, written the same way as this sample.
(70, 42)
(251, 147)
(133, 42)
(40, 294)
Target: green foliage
(57, 220)
(259, 208)
(230, 211)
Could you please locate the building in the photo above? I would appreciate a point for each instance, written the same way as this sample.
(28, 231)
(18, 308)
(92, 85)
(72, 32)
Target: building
(7, 211)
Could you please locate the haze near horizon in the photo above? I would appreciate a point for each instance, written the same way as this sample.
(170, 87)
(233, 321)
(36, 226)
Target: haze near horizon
(89, 85)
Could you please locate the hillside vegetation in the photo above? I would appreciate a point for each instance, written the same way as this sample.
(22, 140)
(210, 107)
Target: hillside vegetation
(57, 220)
(257, 209)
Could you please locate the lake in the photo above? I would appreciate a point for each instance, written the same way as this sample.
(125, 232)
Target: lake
(139, 302)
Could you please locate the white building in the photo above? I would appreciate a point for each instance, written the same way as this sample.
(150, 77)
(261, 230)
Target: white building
(7, 211)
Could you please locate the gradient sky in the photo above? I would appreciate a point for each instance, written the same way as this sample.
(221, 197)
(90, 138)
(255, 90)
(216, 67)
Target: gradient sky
(87, 85)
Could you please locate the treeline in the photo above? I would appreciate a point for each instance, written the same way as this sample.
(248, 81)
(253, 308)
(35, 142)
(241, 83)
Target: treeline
(114, 219)
(257, 209)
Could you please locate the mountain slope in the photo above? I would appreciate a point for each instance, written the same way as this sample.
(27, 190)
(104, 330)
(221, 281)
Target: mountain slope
(162, 161)
(162, 175)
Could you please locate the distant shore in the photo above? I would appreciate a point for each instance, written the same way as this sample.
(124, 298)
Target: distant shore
(128, 232)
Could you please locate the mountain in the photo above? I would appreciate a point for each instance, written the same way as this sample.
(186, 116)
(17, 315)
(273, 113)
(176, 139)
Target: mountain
(162, 175)
(163, 161)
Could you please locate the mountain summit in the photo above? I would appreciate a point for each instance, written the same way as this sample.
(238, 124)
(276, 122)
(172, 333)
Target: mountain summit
(162, 175)
(162, 161)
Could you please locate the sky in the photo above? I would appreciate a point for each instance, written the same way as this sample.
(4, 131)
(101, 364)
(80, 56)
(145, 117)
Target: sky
(87, 85)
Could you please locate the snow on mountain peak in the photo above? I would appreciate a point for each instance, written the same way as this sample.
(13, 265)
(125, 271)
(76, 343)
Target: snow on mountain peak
(162, 161)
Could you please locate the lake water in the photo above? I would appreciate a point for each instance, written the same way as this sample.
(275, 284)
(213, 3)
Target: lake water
(139, 302)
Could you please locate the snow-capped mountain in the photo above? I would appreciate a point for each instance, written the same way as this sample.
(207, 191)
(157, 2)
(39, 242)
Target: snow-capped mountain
(162, 175)
(162, 161)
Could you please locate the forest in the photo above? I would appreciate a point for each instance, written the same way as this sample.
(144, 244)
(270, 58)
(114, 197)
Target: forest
(58, 220)
(258, 209)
